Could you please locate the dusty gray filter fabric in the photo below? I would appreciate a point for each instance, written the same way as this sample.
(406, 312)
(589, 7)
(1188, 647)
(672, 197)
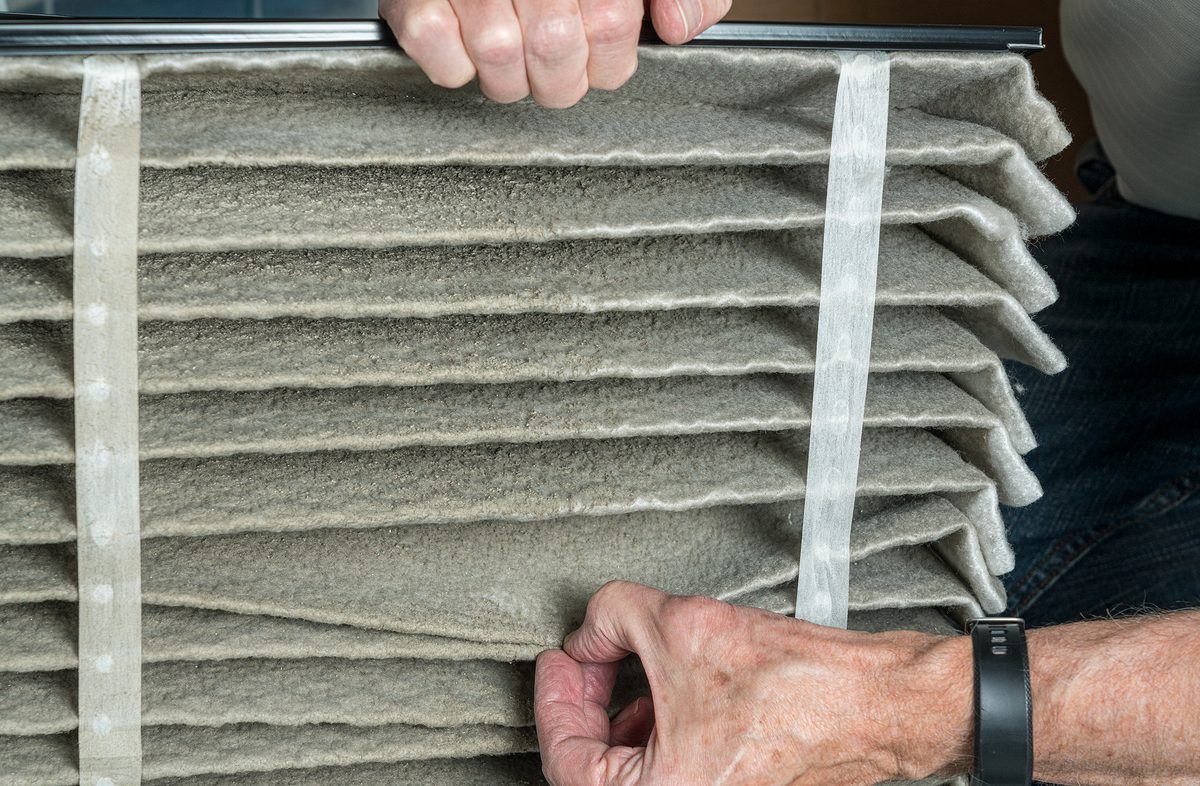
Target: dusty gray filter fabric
(518, 770)
(426, 580)
(978, 156)
(177, 357)
(717, 270)
(517, 482)
(296, 207)
(40, 637)
(37, 431)
(992, 90)
(291, 693)
(177, 751)
(264, 747)
(174, 752)
(250, 355)
(186, 111)
(322, 89)
(419, 373)
(298, 692)
(36, 573)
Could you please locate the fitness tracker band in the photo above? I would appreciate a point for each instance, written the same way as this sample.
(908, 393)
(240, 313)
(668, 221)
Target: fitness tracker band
(1003, 703)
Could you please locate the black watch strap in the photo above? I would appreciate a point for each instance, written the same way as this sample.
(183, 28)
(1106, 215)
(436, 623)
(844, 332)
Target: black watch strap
(1003, 703)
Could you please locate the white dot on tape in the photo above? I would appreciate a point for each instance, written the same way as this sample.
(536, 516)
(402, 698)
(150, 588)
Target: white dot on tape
(99, 457)
(101, 724)
(103, 663)
(97, 389)
(102, 593)
(104, 782)
(858, 137)
(96, 314)
(102, 533)
(843, 350)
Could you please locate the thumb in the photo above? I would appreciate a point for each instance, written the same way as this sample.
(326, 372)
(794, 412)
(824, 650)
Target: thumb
(619, 621)
(679, 21)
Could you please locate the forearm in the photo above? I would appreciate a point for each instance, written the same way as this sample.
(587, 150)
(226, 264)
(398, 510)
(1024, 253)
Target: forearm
(1115, 702)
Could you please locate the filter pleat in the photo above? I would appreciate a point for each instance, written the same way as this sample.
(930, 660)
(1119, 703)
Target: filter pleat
(217, 209)
(524, 481)
(646, 274)
(39, 637)
(199, 425)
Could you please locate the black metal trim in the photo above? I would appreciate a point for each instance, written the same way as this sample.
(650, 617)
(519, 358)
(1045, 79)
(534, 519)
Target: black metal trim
(25, 36)
(889, 37)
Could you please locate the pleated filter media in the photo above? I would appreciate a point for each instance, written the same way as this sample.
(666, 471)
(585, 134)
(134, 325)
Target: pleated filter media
(417, 373)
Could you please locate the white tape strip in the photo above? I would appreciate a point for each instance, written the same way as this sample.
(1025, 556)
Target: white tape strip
(106, 424)
(850, 255)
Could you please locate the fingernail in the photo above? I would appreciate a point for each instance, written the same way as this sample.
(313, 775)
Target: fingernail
(690, 12)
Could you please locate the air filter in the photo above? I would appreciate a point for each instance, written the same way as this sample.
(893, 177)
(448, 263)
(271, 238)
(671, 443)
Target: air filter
(415, 374)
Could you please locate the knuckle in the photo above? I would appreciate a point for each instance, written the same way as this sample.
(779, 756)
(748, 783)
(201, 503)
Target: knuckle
(677, 612)
(697, 615)
(498, 46)
(427, 26)
(563, 100)
(452, 79)
(505, 94)
(612, 78)
(618, 596)
(554, 38)
(610, 22)
(611, 592)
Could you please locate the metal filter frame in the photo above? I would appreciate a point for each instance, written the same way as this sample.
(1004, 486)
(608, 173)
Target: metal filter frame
(26, 35)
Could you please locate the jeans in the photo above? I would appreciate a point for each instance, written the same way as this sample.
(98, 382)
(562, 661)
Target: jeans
(1118, 529)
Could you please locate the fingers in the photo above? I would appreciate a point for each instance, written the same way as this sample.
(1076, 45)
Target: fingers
(569, 705)
(554, 49)
(679, 21)
(556, 53)
(612, 28)
(492, 35)
(429, 32)
(618, 622)
(633, 725)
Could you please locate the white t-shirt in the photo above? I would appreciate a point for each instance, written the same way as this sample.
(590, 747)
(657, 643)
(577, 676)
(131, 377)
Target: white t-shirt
(1139, 61)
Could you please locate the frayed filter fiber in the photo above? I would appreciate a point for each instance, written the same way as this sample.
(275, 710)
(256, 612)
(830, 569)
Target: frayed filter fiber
(419, 373)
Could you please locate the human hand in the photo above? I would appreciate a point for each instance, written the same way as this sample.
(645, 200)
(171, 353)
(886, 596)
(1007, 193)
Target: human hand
(554, 49)
(743, 697)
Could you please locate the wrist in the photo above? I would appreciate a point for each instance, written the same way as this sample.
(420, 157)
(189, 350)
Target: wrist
(934, 699)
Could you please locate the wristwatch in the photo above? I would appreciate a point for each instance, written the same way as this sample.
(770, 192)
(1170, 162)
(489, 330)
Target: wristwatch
(1003, 703)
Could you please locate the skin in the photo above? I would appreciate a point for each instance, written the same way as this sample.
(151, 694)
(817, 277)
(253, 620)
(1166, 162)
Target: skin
(554, 50)
(744, 697)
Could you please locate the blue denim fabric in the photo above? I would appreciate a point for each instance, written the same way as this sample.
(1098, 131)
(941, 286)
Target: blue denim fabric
(1119, 430)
